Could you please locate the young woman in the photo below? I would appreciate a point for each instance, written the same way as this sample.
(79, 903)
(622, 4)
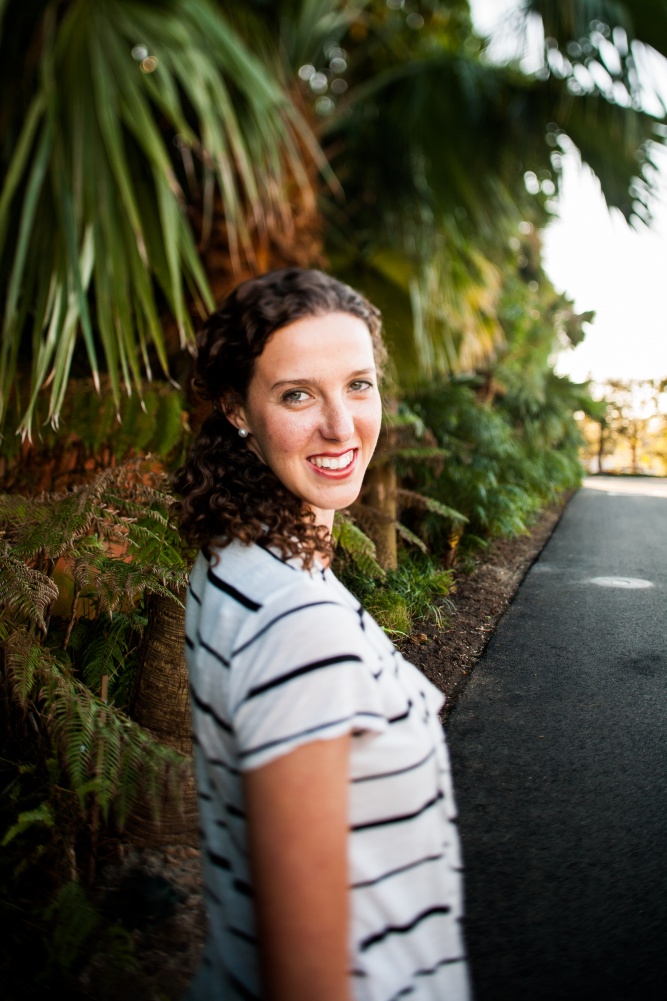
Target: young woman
(331, 862)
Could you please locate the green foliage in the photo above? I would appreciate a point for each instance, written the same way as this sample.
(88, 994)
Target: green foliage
(498, 474)
(42, 815)
(92, 556)
(118, 114)
(354, 545)
(149, 422)
(74, 921)
(390, 611)
(76, 569)
(428, 216)
(415, 592)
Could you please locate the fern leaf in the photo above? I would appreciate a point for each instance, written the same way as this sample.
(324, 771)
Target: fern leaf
(24, 591)
(357, 545)
(41, 816)
(420, 453)
(14, 509)
(74, 920)
(106, 651)
(22, 662)
(409, 536)
(98, 741)
(411, 499)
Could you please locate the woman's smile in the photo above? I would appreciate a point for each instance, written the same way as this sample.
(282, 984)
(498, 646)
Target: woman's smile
(329, 464)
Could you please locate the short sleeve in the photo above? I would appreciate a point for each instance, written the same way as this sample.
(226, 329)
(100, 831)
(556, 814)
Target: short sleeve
(306, 673)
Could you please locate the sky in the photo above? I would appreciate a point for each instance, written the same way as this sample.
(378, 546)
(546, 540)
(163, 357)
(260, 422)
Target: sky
(601, 263)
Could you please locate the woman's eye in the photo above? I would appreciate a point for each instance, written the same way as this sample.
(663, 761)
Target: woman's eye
(295, 396)
(359, 385)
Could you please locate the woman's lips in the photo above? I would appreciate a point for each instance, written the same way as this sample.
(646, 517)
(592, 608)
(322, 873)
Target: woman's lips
(334, 466)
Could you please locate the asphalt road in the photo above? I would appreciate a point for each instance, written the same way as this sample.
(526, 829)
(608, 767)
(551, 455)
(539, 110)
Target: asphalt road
(559, 751)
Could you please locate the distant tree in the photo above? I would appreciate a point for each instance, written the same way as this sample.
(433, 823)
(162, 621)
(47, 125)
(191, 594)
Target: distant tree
(633, 419)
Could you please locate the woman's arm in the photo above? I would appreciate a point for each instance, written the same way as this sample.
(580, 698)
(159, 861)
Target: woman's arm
(297, 813)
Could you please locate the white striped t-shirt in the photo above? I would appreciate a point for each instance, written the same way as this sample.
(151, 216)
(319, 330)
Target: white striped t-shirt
(278, 657)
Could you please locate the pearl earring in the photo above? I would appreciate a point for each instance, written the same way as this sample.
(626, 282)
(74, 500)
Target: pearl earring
(243, 433)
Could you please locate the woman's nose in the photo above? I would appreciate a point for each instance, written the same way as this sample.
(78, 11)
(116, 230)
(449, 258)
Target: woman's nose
(337, 422)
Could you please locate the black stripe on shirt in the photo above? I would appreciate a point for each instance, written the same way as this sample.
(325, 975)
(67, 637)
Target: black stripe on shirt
(314, 665)
(218, 860)
(244, 935)
(213, 652)
(290, 611)
(192, 592)
(206, 708)
(242, 599)
(189, 642)
(275, 556)
(245, 889)
(397, 872)
(241, 988)
(398, 771)
(403, 715)
(303, 733)
(208, 892)
(427, 973)
(401, 818)
(219, 763)
(402, 929)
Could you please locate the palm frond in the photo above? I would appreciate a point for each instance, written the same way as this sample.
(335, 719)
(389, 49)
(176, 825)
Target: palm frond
(94, 232)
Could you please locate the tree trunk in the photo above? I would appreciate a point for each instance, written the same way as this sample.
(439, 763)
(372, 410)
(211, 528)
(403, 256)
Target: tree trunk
(162, 706)
(381, 483)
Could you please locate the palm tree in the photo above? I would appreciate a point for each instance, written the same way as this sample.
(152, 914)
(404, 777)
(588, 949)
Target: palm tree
(433, 145)
(104, 221)
(444, 157)
(126, 126)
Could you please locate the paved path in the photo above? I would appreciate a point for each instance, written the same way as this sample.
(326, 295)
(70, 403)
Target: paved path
(559, 748)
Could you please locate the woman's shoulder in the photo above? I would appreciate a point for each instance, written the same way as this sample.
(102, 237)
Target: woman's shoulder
(257, 576)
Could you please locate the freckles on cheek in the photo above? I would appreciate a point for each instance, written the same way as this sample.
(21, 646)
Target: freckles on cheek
(286, 436)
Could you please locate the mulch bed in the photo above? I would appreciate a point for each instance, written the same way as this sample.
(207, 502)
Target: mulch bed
(160, 889)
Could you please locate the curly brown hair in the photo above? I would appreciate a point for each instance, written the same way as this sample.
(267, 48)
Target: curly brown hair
(226, 491)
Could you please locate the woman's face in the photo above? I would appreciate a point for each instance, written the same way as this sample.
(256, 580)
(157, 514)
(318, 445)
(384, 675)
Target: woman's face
(313, 409)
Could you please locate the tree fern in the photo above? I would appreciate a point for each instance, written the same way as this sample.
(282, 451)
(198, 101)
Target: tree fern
(110, 543)
(22, 656)
(40, 816)
(356, 545)
(74, 920)
(107, 757)
(412, 499)
(109, 647)
(24, 591)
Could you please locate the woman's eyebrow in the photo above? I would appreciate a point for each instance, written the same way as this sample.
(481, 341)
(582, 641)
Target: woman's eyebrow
(308, 380)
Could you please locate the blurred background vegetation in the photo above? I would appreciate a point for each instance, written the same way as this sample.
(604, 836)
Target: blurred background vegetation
(153, 153)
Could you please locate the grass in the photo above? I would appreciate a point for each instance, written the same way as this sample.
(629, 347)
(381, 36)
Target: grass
(417, 591)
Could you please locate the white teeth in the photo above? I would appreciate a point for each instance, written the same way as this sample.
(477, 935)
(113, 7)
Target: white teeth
(328, 462)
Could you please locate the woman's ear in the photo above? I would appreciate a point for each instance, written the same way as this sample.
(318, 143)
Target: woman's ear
(234, 411)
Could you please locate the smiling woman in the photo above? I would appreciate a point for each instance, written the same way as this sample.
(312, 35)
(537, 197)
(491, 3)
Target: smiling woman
(314, 415)
(331, 863)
